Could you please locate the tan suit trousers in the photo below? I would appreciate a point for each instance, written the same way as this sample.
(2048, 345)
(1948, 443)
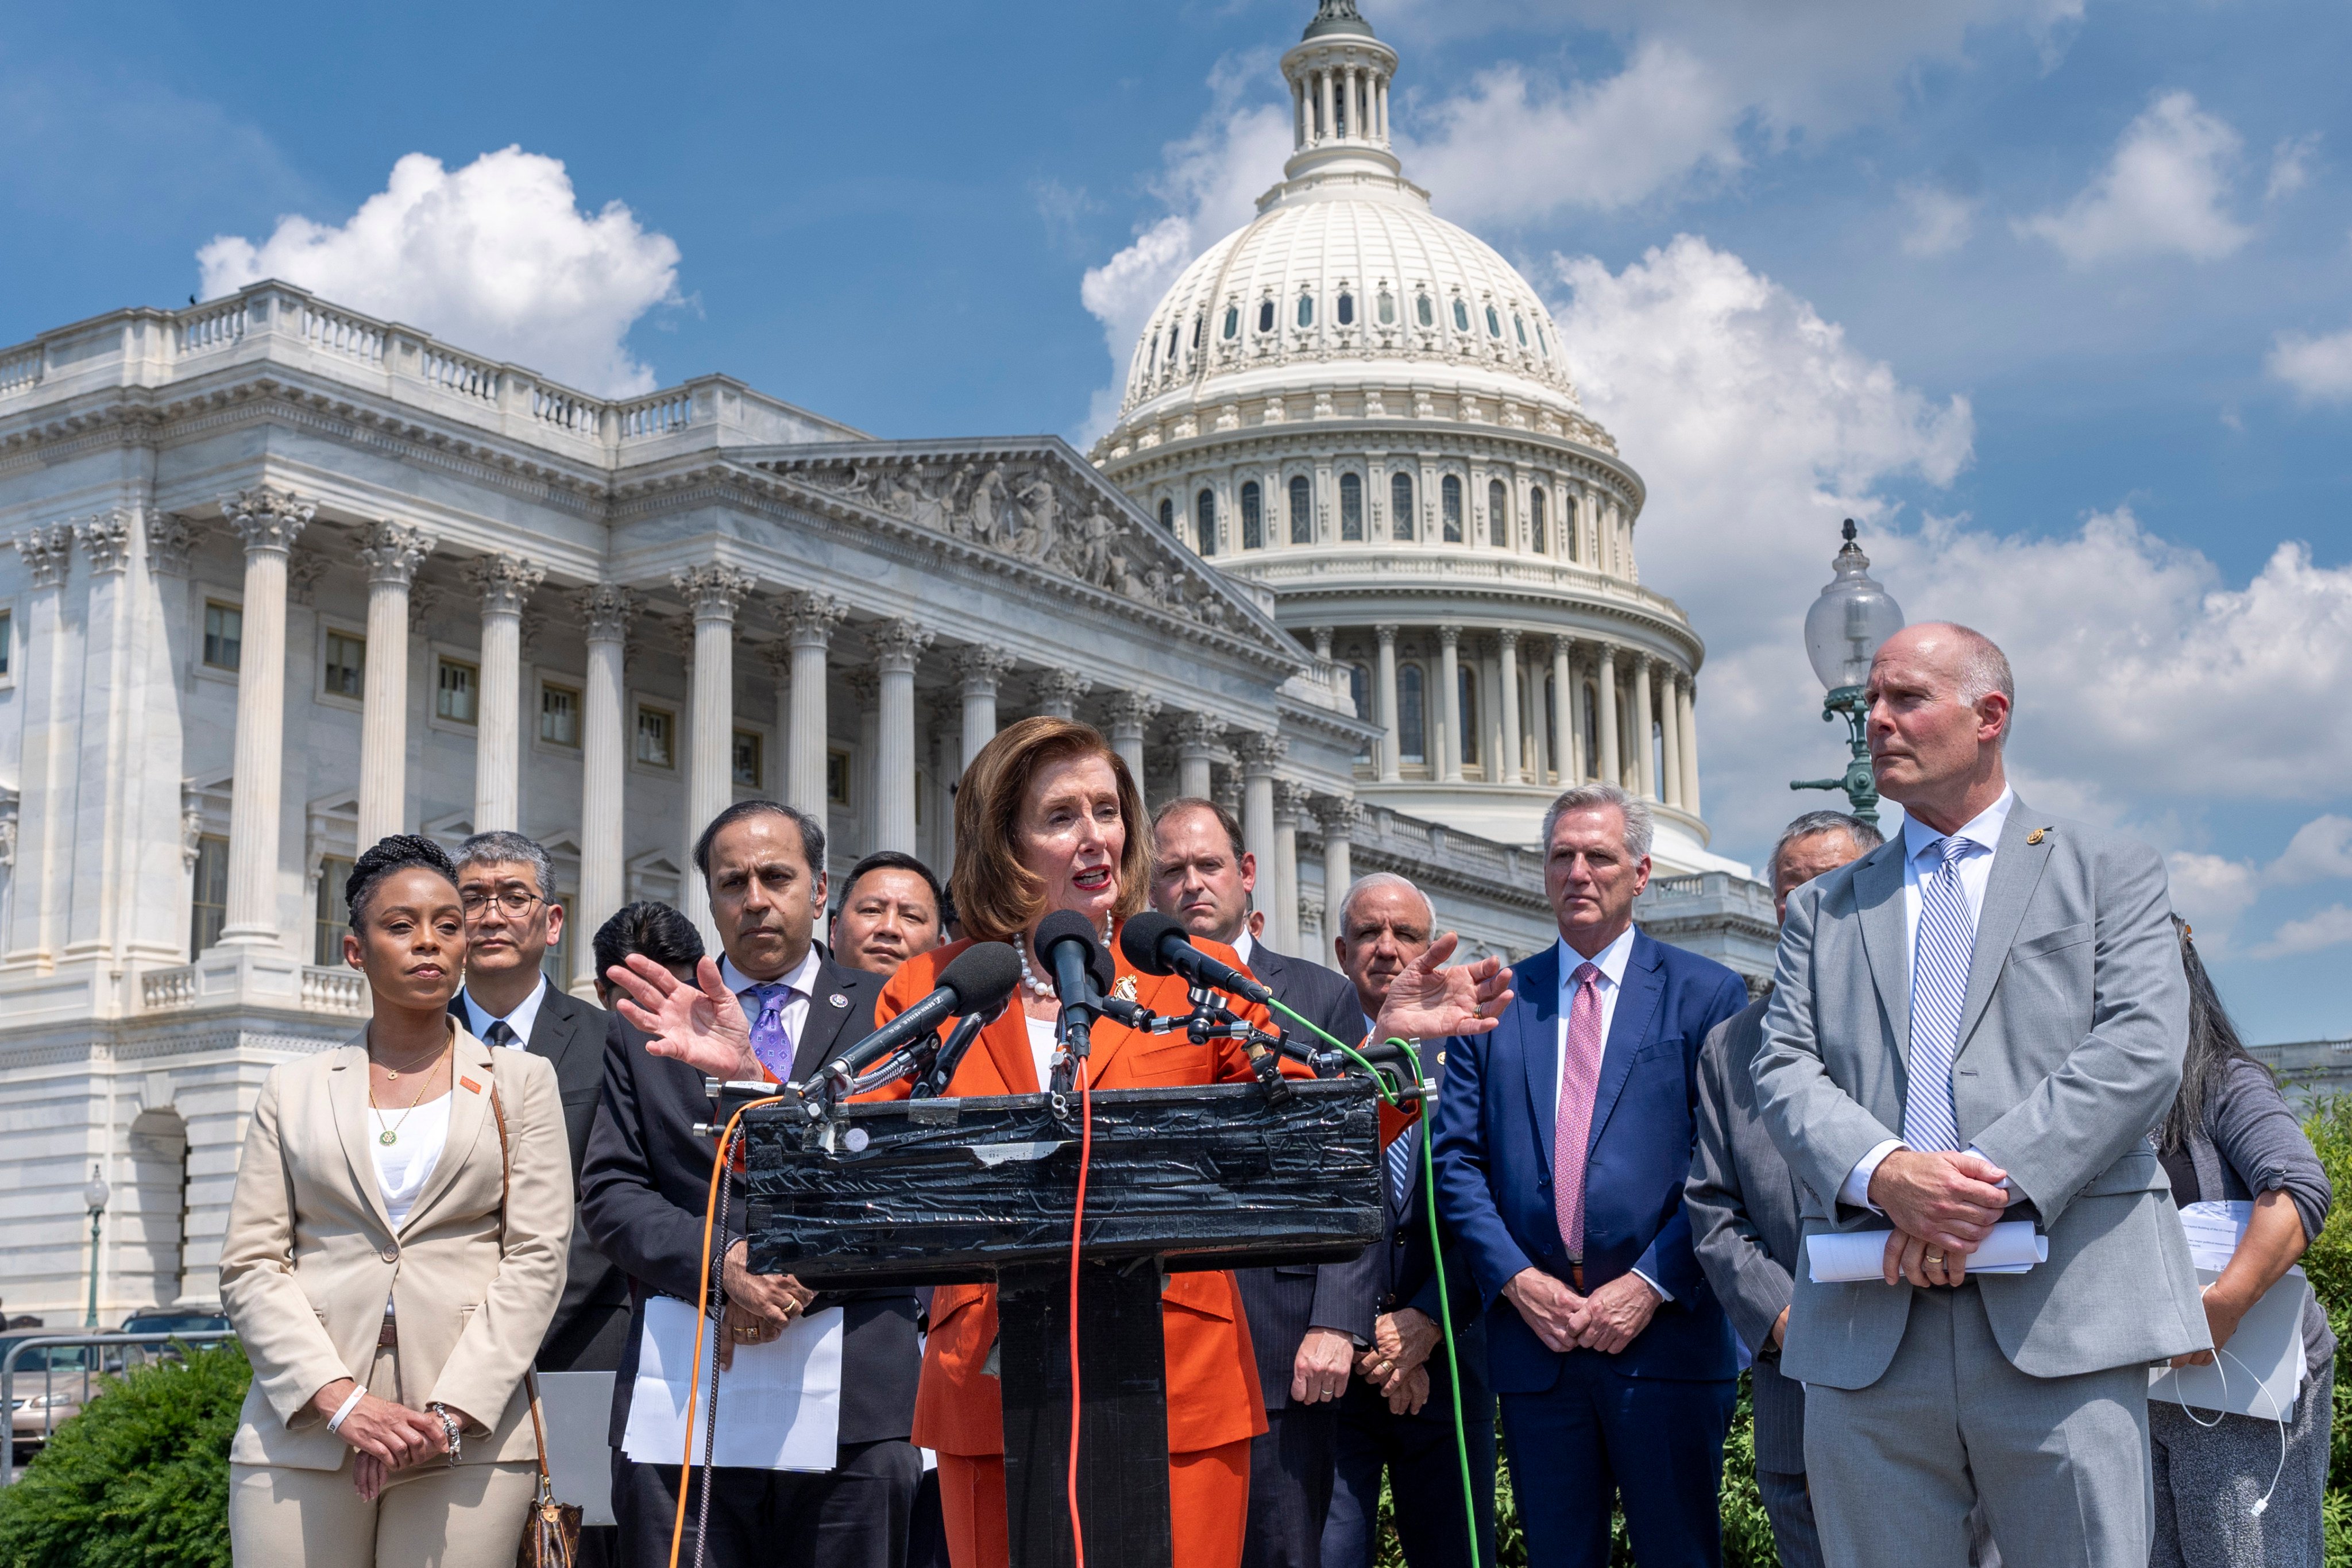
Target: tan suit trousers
(431, 1516)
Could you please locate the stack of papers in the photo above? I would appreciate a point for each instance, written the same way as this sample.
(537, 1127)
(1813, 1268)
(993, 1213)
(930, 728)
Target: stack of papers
(779, 1404)
(1848, 1257)
(2261, 1372)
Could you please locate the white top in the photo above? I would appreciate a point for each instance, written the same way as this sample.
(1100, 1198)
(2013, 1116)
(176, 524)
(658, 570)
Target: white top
(801, 978)
(1042, 1044)
(403, 1166)
(479, 1019)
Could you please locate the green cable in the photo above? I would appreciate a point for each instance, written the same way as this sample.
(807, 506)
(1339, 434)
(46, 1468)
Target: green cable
(1437, 1250)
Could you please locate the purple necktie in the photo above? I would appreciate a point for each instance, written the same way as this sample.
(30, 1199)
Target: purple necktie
(770, 1040)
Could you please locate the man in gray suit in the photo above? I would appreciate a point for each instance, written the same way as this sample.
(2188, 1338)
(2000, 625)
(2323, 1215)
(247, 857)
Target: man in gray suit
(1978, 1021)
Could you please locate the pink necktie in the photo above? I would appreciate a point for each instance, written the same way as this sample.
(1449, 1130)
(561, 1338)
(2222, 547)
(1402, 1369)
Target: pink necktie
(1579, 1078)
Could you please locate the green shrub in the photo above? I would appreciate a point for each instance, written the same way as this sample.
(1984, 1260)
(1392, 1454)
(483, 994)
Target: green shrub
(2329, 1265)
(140, 1478)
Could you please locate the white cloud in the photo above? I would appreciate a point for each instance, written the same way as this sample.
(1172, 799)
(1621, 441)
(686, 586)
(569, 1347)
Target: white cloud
(2290, 165)
(2165, 192)
(2330, 927)
(497, 258)
(1937, 220)
(2321, 849)
(2319, 368)
(2210, 892)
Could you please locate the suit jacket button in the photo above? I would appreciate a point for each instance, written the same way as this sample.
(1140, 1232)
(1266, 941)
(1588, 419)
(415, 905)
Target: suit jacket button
(391, 1255)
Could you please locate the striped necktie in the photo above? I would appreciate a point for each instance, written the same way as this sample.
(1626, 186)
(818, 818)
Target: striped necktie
(1403, 1150)
(1939, 990)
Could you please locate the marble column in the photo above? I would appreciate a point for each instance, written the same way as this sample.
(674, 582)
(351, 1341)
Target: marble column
(604, 610)
(1260, 752)
(1506, 698)
(392, 554)
(505, 582)
(1392, 748)
(1571, 695)
(809, 622)
(1449, 698)
(1196, 752)
(899, 646)
(1056, 692)
(865, 697)
(1612, 770)
(778, 657)
(36, 838)
(980, 670)
(1669, 737)
(1342, 820)
(1687, 705)
(1490, 713)
(1290, 798)
(1130, 713)
(1645, 713)
(713, 593)
(269, 521)
(1323, 97)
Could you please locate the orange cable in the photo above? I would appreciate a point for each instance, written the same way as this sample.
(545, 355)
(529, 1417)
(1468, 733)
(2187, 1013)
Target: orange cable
(1078, 1220)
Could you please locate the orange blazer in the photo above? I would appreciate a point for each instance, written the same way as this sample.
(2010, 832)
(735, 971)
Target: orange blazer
(1213, 1388)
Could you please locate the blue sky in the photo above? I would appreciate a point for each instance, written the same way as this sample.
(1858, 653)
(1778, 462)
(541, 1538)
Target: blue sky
(2055, 295)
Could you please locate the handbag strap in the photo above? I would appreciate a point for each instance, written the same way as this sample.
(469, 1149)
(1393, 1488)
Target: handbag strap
(529, 1373)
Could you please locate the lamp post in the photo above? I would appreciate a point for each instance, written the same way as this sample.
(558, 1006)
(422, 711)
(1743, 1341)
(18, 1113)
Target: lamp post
(95, 1195)
(1842, 631)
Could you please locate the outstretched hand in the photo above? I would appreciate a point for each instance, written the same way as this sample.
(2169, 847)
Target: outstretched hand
(1427, 1001)
(702, 1024)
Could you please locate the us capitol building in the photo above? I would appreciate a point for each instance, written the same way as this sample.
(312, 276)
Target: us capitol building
(285, 578)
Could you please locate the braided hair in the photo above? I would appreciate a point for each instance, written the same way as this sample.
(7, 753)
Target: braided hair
(395, 852)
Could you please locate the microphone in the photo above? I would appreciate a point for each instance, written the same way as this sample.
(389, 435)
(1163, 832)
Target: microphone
(1157, 945)
(976, 981)
(1082, 972)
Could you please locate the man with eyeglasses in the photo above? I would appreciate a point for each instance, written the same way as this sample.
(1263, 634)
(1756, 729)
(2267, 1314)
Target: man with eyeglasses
(506, 882)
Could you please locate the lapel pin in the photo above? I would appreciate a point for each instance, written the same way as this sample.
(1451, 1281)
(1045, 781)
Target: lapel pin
(2035, 836)
(837, 1000)
(470, 1085)
(1125, 989)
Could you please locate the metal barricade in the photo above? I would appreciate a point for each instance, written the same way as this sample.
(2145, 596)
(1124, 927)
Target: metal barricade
(92, 1366)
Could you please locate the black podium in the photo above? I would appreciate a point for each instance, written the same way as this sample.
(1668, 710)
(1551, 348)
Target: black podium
(934, 1191)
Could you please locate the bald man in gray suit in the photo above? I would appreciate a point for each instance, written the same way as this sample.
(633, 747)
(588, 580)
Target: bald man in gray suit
(1979, 1020)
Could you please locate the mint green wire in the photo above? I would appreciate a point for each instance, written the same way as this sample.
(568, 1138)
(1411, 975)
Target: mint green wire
(1436, 1248)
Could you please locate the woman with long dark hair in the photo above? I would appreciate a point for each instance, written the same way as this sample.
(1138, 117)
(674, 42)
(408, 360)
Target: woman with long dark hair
(2222, 1496)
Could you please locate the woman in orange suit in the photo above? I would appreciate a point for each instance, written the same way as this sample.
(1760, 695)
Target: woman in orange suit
(1048, 818)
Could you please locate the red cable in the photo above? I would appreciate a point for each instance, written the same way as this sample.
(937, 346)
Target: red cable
(1078, 1220)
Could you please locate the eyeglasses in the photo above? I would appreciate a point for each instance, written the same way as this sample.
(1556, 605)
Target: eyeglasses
(511, 901)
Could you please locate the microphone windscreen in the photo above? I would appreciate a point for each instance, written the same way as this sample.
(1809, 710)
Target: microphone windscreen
(1139, 939)
(1068, 925)
(982, 975)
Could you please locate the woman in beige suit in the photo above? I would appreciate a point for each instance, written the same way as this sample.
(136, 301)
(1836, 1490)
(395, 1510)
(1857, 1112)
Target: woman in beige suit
(388, 1295)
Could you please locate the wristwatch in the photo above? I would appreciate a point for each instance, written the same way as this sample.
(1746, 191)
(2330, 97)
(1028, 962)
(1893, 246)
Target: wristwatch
(452, 1429)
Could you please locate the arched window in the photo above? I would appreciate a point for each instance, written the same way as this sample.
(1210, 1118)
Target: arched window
(1351, 507)
(1173, 345)
(1233, 322)
(1493, 323)
(1168, 514)
(1413, 724)
(1265, 315)
(1359, 687)
(1468, 741)
(1461, 316)
(1400, 518)
(1253, 518)
(1498, 512)
(1200, 324)
(1535, 520)
(1302, 511)
(1549, 720)
(1307, 309)
(1592, 736)
(1346, 309)
(1153, 357)
(1569, 544)
(1388, 309)
(1204, 513)
(1422, 310)
(1450, 496)
(1543, 343)
(1520, 325)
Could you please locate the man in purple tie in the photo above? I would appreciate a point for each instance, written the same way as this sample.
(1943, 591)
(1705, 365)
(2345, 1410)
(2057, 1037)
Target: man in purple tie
(642, 1195)
(1562, 1142)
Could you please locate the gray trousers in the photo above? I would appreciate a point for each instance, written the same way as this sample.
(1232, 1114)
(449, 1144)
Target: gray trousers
(2060, 1464)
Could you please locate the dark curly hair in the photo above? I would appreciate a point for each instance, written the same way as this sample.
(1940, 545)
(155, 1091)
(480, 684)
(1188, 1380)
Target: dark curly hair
(395, 852)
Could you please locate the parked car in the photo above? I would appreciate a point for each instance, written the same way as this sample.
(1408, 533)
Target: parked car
(200, 1321)
(51, 1384)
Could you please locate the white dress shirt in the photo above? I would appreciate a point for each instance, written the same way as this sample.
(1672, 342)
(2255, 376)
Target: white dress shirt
(1242, 945)
(479, 1019)
(801, 978)
(1610, 960)
(1983, 834)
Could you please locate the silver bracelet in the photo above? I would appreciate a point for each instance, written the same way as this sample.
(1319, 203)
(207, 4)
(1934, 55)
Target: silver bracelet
(451, 1429)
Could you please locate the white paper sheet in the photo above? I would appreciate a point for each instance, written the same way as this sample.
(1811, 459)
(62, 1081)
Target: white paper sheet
(2261, 1373)
(2215, 1229)
(779, 1404)
(1838, 1258)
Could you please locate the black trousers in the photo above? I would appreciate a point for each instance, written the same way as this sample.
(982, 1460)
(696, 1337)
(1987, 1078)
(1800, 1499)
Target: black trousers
(852, 1516)
(1425, 1483)
(1291, 1487)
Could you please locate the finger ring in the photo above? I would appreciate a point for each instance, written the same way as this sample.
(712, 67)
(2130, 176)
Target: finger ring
(1934, 1258)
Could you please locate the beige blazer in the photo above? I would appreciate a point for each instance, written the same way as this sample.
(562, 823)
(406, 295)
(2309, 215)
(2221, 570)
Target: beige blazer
(311, 1257)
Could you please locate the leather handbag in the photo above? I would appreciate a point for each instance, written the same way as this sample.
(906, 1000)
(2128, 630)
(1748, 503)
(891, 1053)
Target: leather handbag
(551, 1532)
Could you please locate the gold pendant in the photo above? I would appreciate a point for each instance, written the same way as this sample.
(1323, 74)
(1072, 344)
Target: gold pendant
(387, 1137)
(391, 1076)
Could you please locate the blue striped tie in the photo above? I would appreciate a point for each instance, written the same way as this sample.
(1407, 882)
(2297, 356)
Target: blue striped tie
(1939, 990)
(1402, 1151)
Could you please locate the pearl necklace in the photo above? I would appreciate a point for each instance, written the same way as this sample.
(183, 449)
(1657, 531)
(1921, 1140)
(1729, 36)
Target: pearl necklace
(1040, 989)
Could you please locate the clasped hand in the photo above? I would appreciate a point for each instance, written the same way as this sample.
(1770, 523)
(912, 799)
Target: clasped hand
(1943, 1204)
(383, 1437)
(759, 1305)
(1607, 1320)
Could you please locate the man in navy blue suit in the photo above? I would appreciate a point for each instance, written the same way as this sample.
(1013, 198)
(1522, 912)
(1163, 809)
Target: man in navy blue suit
(1563, 1140)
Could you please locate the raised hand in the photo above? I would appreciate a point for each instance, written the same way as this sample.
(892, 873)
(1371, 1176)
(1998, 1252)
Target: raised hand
(1427, 1001)
(702, 1024)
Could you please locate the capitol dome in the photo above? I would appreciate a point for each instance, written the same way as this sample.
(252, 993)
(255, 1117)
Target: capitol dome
(1365, 413)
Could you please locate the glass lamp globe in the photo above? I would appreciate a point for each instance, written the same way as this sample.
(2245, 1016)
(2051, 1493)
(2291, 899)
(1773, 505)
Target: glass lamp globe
(95, 1192)
(1851, 618)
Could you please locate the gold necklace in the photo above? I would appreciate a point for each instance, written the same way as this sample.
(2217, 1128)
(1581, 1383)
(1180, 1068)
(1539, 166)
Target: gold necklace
(391, 1134)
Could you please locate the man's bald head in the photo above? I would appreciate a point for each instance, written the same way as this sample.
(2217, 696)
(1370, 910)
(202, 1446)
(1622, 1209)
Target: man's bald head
(1940, 699)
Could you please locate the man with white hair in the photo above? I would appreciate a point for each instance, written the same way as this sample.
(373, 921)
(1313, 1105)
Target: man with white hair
(1978, 1022)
